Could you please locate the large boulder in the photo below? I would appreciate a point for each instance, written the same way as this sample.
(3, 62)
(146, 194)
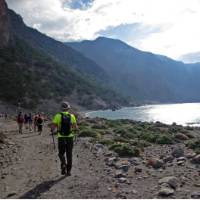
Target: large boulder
(181, 136)
(196, 159)
(119, 174)
(190, 155)
(178, 152)
(155, 163)
(172, 181)
(111, 161)
(195, 195)
(164, 191)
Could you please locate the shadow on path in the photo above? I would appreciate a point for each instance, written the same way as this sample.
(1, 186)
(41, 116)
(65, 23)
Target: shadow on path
(41, 188)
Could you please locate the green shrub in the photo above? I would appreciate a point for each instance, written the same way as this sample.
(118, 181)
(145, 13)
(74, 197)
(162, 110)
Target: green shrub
(190, 135)
(139, 128)
(124, 150)
(88, 133)
(111, 124)
(189, 128)
(132, 130)
(149, 137)
(164, 139)
(99, 126)
(125, 133)
(194, 144)
(106, 142)
(142, 143)
(174, 129)
(120, 131)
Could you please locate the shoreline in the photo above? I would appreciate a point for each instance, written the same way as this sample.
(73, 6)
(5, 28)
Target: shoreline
(164, 113)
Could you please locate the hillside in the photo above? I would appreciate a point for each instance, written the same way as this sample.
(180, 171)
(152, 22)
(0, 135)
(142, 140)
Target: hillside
(56, 50)
(31, 75)
(143, 75)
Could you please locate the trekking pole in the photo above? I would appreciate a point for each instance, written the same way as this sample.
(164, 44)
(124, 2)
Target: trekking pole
(54, 145)
(76, 137)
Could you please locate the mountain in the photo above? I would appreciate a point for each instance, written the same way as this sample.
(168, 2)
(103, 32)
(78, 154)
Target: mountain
(55, 49)
(142, 75)
(36, 70)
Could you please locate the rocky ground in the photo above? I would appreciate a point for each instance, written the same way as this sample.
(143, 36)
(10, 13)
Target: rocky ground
(140, 168)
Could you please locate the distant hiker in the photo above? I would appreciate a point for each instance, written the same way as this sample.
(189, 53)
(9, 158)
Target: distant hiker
(30, 122)
(35, 123)
(20, 121)
(65, 125)
(26, 121)
(39, 123)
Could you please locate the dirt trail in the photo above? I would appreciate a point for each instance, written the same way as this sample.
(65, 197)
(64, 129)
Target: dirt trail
(34, 171)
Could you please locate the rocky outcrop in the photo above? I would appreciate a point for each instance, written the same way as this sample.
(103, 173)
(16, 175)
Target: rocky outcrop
(4, 24)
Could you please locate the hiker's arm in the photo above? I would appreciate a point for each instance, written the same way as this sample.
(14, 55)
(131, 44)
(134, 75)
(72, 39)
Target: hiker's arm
(53, 127)
(55, 123)
(75, 127)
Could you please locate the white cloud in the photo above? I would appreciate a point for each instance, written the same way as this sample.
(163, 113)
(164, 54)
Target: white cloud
(178, 18)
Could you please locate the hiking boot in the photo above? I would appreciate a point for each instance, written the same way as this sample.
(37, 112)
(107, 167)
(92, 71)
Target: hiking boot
(68, 173)
(63, 169)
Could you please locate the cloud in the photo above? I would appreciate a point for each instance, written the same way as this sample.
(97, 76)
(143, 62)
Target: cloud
(191, 57)
(133, 34)
(168, 27)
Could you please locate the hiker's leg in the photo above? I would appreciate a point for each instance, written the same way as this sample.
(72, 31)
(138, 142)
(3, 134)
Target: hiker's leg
(40, 129)
(61, 150)
(20, 128)
(69, 148)
(34, 126)
(29, 124)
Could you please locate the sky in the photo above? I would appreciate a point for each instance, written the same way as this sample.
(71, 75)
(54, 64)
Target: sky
(167, 27)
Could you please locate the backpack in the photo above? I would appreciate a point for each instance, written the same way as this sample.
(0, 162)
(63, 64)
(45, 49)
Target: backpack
(65, 128)
(20, 119)
(39, 121)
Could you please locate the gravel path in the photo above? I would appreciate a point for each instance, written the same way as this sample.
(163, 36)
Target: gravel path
(33, 171)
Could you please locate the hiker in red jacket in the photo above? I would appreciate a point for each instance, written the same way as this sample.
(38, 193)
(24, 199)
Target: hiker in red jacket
(20, 121)
(39, 123)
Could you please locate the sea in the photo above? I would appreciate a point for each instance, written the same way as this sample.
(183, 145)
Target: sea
(186, 114)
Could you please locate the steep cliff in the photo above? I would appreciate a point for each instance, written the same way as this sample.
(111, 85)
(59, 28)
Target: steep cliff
(4, 25)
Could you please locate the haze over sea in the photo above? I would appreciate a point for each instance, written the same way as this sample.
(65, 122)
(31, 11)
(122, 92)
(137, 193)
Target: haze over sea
(182, 114)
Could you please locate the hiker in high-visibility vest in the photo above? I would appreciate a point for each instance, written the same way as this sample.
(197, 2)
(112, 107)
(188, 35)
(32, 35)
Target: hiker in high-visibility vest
(65, 125)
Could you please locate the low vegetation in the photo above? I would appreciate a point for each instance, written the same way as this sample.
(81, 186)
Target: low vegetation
(124, 150)
(194, 144)
(128, 138)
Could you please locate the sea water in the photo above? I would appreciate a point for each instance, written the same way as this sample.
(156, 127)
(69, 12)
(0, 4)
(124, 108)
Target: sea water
(182, 114)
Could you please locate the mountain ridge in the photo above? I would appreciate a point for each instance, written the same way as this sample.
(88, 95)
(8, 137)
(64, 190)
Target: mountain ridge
(143, 75)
